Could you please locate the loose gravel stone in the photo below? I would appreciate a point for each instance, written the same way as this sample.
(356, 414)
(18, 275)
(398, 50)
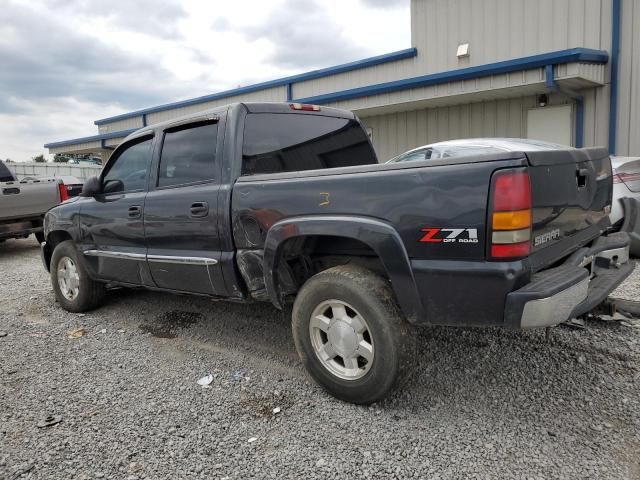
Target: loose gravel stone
(482, 404)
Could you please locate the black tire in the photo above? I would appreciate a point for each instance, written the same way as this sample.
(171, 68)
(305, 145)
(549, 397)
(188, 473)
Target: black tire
(393, 338)
(39, 237)
(90, 294)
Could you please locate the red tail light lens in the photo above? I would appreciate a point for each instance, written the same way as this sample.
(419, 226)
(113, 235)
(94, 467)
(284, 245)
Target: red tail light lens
(510, 215)
(509, 251)
(64, 195)
(511, 191)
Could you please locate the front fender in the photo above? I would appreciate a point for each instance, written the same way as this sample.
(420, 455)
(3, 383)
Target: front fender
(380, 236)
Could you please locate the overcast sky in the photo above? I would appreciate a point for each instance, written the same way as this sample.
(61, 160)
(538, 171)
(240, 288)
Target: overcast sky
(66, 63)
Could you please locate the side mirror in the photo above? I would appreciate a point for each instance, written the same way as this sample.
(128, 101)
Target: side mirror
(91, 187)
(113, 186)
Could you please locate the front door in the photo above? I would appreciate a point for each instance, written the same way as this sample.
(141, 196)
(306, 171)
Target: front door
(111, 223)
(180, 221)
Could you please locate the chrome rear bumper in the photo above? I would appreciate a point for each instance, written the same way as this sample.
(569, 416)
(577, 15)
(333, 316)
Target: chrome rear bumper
(572, 289)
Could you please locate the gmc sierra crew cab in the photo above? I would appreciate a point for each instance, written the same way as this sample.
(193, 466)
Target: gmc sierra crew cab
(287, 203)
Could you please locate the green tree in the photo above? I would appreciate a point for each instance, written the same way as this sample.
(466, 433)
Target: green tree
(59, 158)
(39, 159)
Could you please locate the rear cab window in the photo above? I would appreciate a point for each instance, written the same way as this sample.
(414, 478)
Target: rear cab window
(289, 142)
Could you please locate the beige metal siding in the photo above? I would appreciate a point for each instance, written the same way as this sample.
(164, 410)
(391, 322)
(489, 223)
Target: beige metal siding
(628, 121)
(77, 148)
(277, 94)
(356, 78)
(119, 125)
(396, 133)
(503, 29)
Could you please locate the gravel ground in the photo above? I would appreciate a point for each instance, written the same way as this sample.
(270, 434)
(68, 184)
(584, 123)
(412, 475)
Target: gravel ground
(482, 404)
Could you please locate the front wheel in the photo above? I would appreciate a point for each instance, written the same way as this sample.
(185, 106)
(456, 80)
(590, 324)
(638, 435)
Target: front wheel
(74, 289)
(350, 334)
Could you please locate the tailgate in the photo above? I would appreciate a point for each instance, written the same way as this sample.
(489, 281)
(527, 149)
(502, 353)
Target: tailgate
(571, 197)
(27, 199)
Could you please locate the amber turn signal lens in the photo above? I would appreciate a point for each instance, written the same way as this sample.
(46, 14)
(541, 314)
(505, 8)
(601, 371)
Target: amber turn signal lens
(512, 220)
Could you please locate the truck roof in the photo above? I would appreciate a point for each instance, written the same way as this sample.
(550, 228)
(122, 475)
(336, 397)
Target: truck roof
(250, 107)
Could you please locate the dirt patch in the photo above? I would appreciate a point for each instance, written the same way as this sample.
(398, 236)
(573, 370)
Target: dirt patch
(168, 324)
(262, 406)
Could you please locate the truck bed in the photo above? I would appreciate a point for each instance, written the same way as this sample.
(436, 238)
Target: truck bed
(451, 195)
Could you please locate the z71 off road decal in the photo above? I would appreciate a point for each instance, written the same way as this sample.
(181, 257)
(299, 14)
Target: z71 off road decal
(449, 235)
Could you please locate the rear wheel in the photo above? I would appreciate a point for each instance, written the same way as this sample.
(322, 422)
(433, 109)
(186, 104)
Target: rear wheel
(351, 335)
(74, 289)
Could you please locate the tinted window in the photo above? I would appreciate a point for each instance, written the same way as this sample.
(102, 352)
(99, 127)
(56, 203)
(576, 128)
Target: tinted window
(131, 168)
(188, 155)
(5, 174)
(467, 150)
(292, 142)
(411, 157)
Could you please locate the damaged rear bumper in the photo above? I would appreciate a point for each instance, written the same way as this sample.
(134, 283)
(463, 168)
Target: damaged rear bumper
(572, 289)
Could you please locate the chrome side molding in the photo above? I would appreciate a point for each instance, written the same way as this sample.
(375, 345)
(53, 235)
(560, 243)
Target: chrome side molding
(111, 254)
(151, 258)
(183, 260)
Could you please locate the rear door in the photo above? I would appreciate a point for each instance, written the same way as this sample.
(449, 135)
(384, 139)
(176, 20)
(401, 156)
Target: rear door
(180, 213)
(571, 198)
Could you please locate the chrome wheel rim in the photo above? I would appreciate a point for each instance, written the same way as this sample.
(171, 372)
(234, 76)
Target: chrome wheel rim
(68, 278)
(341, 339)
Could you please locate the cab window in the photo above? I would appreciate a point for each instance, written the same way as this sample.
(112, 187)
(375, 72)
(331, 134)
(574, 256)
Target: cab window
(277, 142)
(129, 171)
(188, 155)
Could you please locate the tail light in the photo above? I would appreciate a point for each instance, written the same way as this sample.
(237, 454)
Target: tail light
(304, 107)
(510, 215)
(64, 195)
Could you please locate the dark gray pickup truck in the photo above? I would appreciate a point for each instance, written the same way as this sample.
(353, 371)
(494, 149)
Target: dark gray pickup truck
(286, 203)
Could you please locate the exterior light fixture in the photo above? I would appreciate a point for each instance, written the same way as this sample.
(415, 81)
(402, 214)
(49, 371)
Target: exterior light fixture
(463, 50)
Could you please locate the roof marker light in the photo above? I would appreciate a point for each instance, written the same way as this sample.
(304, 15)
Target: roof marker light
(304, 107)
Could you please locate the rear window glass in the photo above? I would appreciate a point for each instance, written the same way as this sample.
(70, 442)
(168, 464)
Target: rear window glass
(277, 142)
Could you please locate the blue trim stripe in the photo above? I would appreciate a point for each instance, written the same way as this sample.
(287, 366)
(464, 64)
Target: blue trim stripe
(613, 86)
(549, 81)
(93, 138)
(585, 55)
(579, 140)
(323, 72)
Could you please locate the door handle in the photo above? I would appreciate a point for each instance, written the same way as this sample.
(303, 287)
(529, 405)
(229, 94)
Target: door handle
(199, 209)
(135, 211)
(581, 177)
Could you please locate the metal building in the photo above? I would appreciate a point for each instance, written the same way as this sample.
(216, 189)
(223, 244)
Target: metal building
(558, 70)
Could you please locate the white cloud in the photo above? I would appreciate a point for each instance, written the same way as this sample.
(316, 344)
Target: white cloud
(91, 60)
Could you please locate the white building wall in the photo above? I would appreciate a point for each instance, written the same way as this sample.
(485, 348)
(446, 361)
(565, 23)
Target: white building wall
(276, 94)
(119, 125)
(386, 72)
(504, 29)
(628, 118)
(395, 133)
